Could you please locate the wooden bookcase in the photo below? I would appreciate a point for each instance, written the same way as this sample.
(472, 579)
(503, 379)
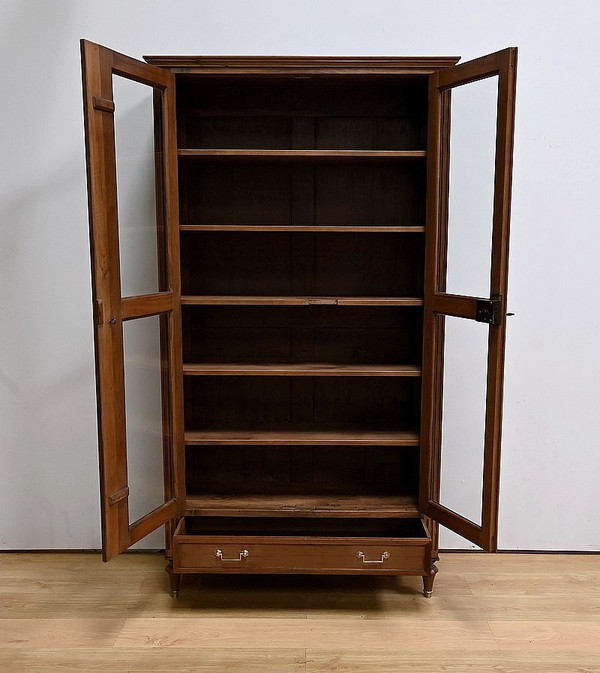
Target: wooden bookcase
(301, 232)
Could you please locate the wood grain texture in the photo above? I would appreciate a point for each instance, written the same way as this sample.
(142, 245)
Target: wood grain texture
(333, 155)
(534, 635)
(154, 660)
(243, 300)
(286, 505)
(521, 616)
(108, 339)
(146, 305)
(324, 437)
(296, 334)
(260, 555)
(318, 634)
(82, 632)
(303, 65)
(339, 228)
(308, 369)
(308, 192)
(402, 661)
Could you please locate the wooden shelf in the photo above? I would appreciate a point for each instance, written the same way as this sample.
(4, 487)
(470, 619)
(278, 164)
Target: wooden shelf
(314, 228)
(300, 437)
(285, 505)
(312, 155)
(305, 369)
(243, 300)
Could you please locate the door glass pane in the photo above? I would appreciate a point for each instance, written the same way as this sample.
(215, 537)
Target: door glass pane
(473, 120)
(143, 415)
(463, 416)
(136, 188)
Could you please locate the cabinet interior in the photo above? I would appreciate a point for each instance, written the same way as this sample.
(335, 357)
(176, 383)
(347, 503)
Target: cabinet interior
(321, 264)
(296, 334)
(300, 527)
(304, 113)
(302, 286)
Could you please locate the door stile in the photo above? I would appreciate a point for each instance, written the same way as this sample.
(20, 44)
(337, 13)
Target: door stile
(433, 351)
(499, 286)
(106, 286)
(176, 459)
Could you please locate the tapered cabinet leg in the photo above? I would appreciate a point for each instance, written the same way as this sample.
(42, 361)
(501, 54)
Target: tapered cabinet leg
(428, 581)
(174, 580)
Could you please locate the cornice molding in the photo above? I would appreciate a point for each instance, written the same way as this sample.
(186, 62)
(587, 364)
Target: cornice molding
(298, 65)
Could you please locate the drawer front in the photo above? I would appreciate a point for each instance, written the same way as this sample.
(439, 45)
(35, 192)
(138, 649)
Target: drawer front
(248, 554)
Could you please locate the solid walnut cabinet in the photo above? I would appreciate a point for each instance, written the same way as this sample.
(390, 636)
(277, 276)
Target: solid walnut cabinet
(276, 327)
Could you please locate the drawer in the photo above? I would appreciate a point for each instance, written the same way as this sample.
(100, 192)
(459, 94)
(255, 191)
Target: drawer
(314, 546)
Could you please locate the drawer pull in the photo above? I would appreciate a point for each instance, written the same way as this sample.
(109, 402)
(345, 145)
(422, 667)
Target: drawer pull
(243, 554)
(361, 556)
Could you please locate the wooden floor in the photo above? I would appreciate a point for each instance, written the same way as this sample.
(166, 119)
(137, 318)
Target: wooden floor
(500, 613)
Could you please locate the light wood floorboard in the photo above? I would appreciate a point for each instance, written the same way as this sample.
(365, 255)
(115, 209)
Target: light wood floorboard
(489, 613)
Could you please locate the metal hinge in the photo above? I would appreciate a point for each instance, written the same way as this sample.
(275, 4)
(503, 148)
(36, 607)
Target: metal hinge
(488, 311)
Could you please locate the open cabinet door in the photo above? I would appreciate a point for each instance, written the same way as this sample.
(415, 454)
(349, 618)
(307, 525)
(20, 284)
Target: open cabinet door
(132, 189)
(470, 141)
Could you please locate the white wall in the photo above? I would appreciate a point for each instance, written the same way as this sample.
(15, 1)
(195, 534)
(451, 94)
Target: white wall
(551, 450)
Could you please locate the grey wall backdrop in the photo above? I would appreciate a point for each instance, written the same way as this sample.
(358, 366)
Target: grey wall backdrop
(551, 450)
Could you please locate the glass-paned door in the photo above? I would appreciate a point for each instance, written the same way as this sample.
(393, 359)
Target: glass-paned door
(132, 188)
(471, 120)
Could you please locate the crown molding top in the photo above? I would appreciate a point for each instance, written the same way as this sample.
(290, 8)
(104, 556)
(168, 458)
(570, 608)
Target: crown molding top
(298, 65)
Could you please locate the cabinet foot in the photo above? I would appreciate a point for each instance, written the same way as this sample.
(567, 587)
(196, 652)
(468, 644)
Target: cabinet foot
(428, 581)
(174, 580)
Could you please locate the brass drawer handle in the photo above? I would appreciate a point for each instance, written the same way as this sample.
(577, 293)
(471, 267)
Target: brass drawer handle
(243, 554)
(384, 556)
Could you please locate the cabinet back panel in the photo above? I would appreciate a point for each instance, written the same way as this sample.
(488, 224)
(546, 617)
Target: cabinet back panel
(263, 193)
(294, 334)
(370, 194)
(263, 402)
(233, 193)
(301, 470)
(302, 264)
(293, 114)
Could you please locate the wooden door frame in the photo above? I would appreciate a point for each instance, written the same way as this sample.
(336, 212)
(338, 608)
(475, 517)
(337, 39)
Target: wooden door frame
(438, 303)
(99, 64)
